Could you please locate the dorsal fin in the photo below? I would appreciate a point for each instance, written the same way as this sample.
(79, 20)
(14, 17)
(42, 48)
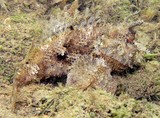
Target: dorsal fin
(74, 7)
(63, 4)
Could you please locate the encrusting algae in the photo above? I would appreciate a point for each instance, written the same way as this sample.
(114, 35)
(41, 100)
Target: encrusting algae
(88, 56)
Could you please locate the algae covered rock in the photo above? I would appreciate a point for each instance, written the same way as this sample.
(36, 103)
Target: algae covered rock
(92, 47)
(71, 102)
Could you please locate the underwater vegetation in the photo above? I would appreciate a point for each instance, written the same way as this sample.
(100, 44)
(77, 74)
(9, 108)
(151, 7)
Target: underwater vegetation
(80, 58)
(69, 102)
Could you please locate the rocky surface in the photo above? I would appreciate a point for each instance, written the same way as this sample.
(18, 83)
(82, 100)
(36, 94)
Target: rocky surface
(103, 63)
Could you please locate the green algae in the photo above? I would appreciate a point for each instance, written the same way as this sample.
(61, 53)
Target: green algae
(17, 33)
(151, 56)
(70, 102)
(19, 18)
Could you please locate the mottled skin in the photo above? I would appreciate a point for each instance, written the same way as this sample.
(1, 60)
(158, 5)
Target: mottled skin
(55, 57)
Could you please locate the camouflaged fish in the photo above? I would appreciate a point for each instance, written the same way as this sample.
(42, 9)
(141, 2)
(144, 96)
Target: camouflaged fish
(102, 50)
